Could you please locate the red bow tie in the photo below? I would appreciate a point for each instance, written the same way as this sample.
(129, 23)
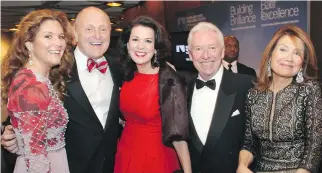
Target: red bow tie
(91, 65)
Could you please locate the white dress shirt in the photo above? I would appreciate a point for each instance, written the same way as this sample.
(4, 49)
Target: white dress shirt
(203, 106)
(98, 87)
(233, 67)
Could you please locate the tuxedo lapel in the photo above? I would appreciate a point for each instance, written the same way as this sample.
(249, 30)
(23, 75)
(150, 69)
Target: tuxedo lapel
(76, 90)
(117, 80)
(115, 70)
(193, 133)
(114, 107)
(224, 104)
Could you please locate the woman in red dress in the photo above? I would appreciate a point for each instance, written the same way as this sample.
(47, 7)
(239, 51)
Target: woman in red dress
(153, 103)
(33, 85)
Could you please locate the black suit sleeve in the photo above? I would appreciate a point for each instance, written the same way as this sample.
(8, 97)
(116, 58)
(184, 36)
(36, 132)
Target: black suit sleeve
(253, 72)
(8, 159)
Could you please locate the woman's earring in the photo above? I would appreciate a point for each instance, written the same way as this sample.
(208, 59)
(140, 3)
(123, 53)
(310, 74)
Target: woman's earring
(299, 77)
(30, 62)
(269, 69)
(155, 56)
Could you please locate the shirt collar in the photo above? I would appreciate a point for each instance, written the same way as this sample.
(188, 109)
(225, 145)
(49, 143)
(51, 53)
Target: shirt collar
(225, 63)
(81, 59)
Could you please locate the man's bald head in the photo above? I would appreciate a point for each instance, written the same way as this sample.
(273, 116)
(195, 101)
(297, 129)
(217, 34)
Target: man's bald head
(89, 12)
(92, 32)
(231, 48)
(231, 37)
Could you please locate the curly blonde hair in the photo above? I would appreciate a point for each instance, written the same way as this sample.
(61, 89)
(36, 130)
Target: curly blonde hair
(17, 55)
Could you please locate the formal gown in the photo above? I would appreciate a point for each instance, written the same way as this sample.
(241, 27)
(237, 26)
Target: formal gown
(140, 149)
(39, 120)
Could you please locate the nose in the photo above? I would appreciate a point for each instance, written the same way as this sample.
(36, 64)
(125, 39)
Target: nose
(290, 56)
(140, 45)
(58, 42)
(97, 34)
(205, 54)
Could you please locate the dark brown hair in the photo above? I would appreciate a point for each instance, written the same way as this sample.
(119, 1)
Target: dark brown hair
(17, 55)
(309, 60)
(162, 45)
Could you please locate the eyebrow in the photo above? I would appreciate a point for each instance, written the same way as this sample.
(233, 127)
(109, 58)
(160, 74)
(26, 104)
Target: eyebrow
(139, 37)
(288, 47)
(49, 32)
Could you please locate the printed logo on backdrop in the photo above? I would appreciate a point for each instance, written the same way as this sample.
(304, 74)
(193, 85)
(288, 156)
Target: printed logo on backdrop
(262, 14)
(252, 22)
(179, 51)
(181, 23)
(276, 13)
(185, 23)
(242, 16)
(183, 49)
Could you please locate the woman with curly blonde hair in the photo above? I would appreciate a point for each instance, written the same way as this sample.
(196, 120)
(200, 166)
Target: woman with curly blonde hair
(35, 71)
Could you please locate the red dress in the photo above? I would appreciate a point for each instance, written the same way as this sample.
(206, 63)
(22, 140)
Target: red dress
(140, 148)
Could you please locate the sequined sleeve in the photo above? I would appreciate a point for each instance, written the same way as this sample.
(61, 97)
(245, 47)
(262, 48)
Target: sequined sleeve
(313, 144)
(249, 139)
(28, 106)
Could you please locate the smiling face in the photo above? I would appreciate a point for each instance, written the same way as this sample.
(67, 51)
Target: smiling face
(49, 44)
(93, 30)
(287, 57)
(206, 53)
(141, 45)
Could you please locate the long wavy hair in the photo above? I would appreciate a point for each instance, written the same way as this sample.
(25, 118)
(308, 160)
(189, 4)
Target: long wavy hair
(161, 44)
(17, 55)
(309, 65)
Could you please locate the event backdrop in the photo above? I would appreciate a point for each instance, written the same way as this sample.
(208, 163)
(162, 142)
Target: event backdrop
(252, 22)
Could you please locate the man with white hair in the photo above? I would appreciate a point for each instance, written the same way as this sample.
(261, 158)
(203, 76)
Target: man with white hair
(216, 104)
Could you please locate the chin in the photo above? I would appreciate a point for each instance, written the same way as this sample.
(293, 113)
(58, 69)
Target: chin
(139, 61)
(285, 75)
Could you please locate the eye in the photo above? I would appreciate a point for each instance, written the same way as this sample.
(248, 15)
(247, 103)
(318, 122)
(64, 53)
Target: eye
(282, 49)
(198, 48)
(298, 53)
(135, 39)
(62, 37)
(212, 47)
(149, 41)
(88, 29)
(103, 29)
(48, 36)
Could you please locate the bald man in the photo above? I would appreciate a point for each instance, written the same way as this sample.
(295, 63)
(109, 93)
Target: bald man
(92, 98)
(231, 56)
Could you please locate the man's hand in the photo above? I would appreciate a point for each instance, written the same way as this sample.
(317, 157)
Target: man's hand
(300, 170)
(122, 122)
(243, 169)
(8, 139)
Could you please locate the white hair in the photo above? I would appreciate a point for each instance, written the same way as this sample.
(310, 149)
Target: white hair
(205, 26)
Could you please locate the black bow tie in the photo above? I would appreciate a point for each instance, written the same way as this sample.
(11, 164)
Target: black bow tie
(211, 84)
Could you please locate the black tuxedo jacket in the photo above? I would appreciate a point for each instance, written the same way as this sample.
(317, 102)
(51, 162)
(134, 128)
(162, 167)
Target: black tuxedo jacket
(221, 150)
(243, 69)
(90, 147)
